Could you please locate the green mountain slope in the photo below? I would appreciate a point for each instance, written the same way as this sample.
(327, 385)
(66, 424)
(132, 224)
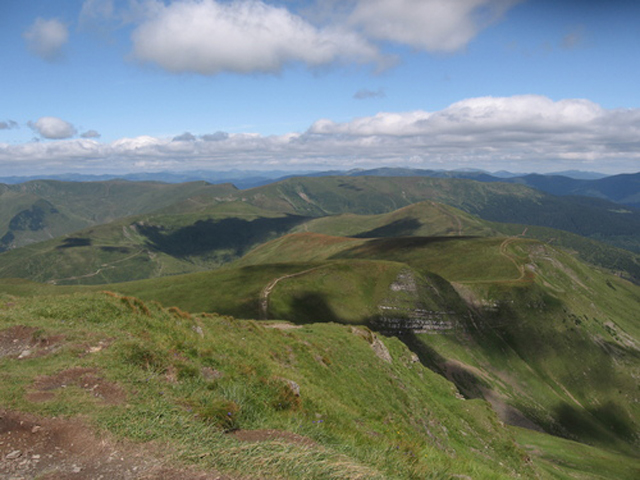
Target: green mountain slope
(420, 219)
(552, 343)
(500, 202)
(43, 209)
(340, 402)
(147, 246)
(163, 244)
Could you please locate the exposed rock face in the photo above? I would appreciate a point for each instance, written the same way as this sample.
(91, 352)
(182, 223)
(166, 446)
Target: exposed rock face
(404, 311)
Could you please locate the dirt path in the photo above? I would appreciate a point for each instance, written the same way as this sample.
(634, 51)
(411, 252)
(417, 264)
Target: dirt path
(104, 266)
(266, 291)
(503, 251)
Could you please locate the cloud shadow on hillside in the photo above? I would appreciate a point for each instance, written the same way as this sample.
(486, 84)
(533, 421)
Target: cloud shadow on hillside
(228, 234)
(312, 307)
(384, 247)
(593, 423)
(400, 228)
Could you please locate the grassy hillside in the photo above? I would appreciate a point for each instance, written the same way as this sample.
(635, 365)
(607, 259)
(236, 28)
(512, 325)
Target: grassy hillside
(197, 226)
(624, 189)
(420, 219)
(500, 202)
(551, 342)
(158, 245)
(43, 209)
(338, 402)
(148, 246)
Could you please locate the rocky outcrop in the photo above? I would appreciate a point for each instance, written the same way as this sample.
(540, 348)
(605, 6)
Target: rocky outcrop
(404, 310)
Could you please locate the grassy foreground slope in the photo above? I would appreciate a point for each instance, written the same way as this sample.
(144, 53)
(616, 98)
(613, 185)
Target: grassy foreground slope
(340, 402)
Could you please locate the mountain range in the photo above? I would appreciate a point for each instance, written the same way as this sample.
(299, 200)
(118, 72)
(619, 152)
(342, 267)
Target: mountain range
(377, 324)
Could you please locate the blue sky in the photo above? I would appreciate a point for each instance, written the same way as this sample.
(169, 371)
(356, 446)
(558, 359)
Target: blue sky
(119, 86)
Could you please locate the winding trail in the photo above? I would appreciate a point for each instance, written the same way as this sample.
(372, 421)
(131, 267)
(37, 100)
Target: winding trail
(503, 251)
(104, 266)
(266, 291)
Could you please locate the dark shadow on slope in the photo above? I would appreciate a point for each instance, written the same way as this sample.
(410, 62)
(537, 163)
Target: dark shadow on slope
(33, 218)
(122, 250)
(72, 242)
(466, 382)
(400, 228)
(311, 307)
(594, 424)
(379, 247)
(204, 236)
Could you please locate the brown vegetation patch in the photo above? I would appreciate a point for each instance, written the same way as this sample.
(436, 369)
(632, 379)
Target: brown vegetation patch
(85, 378)
(21, 342)
(281, 326)
(59, 449)
(272, 436)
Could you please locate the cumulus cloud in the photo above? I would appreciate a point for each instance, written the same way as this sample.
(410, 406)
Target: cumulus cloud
(185, 137)
(8, 125)
(215, 137)
(527, 132)
(432, 25)
(53, 128)
(365, 93)
(90, 134)
(46, 38)
(209, 37)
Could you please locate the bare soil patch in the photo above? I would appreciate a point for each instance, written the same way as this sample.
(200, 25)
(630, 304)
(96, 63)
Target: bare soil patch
(84, 378)
(20, 342)
(62, 449)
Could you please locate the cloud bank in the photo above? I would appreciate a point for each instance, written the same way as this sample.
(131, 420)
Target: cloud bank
(527, 132)
(46, 38)
(210, 37)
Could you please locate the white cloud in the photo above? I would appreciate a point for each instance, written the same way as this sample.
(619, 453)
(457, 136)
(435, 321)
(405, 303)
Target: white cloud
(46, 38)
(53, 128)
(525, 133)
(432, 25)
(210, 37)
(90, 134)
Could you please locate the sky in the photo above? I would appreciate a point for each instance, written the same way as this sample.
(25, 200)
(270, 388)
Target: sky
(121, 86)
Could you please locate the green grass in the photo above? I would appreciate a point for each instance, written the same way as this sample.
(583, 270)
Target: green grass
(368, 418)
(564, 459)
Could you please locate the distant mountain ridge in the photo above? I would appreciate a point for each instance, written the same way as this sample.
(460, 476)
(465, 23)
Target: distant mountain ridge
(622, 188)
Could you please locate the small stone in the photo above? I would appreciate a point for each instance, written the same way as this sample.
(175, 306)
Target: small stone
(14, 454)
(76, 469)
(24, 354)
(198, 330)
(36, 429)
